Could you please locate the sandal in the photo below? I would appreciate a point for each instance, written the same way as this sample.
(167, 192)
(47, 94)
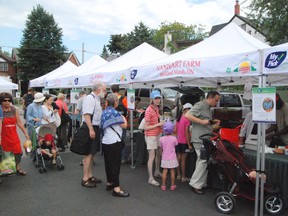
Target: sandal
(173, 187)
(21, 172)
(95, 180)
(163, 187)
(88, 183)
(185, 179)
(153, 182)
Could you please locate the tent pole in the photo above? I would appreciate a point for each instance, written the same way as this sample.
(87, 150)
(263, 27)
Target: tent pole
(260, 160)
(131, 134)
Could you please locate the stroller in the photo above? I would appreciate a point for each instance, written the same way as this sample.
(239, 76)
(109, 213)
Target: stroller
(39, 158)
(238, 179)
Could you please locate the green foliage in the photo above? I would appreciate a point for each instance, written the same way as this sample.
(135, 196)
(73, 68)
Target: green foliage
(142, 33)
(179, 32)
(41, 49)
(271, 17)
(124, 43)
(104, 53)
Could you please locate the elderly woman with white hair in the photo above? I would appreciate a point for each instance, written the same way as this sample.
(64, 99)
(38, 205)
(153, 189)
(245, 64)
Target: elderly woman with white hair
(113, 123)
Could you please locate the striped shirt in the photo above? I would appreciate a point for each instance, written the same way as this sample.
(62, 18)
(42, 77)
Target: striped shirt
(152, 116)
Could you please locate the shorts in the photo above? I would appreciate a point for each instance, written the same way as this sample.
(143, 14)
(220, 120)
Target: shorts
(152, 142)
(181, 147)
(95, 143)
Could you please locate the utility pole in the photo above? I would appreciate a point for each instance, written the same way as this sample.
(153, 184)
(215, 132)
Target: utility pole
(83, 53)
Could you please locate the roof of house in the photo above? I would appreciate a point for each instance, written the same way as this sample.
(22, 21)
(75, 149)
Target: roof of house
(217, 28)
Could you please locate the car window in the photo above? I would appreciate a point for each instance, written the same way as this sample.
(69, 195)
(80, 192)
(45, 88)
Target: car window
(230, 100)
(145, 93)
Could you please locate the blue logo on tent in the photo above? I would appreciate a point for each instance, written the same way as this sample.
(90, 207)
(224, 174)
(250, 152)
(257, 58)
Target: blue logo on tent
(133, 74)
(274, 59)
(76, 81)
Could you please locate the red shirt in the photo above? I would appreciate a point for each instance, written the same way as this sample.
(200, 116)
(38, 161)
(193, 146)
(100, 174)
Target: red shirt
(152, 116)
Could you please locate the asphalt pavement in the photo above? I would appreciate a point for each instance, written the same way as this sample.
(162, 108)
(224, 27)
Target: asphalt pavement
(60, 193)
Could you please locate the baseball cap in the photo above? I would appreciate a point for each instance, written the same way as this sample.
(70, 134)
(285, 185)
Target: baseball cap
(187, 106)
(155, 94)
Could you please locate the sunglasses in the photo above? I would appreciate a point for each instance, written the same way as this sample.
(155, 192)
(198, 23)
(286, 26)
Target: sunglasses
(6, 100)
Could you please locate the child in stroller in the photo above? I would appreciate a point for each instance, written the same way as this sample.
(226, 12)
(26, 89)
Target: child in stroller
(237, 177)
(45, 148)
(48, 149)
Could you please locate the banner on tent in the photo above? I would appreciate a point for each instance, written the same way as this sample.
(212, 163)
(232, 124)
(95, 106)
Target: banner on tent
(275, 60)
(245, 64)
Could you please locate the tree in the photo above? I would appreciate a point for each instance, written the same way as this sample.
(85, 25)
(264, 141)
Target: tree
(271, 17)
(41, 49)
(139, 35)
(179, 32)
(117, 44)
(104, 53)
(124, 43)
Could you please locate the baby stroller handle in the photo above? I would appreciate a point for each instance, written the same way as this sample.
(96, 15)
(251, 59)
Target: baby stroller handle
(211, 136)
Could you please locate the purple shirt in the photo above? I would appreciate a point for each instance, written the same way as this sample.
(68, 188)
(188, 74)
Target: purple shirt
(168, 144)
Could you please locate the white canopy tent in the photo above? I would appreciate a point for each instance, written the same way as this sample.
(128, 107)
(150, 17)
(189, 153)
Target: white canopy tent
(67, 80)
(41, 81)
(115, 71)
(7, 85)
(226, 57)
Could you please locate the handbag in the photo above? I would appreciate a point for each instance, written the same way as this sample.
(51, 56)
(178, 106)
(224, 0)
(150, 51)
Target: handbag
(142, 124)
(65, 117)
(7, 163)
(57, 119)
(81, 142)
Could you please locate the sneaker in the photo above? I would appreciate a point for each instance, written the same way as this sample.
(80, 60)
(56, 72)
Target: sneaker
(53, 162)
(153, 182)
(173, 187)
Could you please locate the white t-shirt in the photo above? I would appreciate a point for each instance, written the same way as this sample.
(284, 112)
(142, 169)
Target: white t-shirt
(91, 105)
(111, 136)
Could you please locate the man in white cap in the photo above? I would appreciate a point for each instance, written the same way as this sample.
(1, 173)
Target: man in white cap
(34, 112)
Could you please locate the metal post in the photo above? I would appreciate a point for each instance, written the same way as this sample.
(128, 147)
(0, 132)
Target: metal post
(131, 135)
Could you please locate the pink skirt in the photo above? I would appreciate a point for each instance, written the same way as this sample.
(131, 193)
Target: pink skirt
(169, 163)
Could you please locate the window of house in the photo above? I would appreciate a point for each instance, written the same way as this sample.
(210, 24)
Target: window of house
(3, 66)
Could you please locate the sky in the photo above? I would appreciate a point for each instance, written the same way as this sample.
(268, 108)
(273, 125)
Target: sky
(91, 22)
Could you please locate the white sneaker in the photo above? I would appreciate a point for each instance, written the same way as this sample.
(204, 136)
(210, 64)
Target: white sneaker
(154, 183)
(53, 162)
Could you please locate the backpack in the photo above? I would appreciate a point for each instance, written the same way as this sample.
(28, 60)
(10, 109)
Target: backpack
(28, 99)
(121, 108)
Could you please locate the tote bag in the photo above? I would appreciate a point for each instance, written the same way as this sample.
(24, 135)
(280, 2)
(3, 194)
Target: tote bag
(65, 118)
(81, 142)
(7, 163)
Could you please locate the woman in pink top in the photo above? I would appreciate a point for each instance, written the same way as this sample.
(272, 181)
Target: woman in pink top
(153, 129)
(183, 137)
(169, 159)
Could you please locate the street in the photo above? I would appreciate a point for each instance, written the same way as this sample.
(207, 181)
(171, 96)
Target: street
(60, 193)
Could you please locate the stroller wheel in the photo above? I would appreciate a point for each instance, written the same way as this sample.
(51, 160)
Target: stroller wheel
(225, 202)
(41, 170)
(273, 204)
(44, 169)
(60, 167)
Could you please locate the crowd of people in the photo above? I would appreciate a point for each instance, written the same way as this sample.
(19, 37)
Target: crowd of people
(104, 118)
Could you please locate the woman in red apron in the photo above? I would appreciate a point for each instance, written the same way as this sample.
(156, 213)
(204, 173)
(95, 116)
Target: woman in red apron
(10, 139)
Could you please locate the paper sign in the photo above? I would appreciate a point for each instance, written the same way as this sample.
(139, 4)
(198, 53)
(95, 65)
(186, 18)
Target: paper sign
(264, 105)
(74, 96)
(131, 99)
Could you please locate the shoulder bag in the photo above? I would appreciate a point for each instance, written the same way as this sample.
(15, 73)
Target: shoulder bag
(65, 118)
(81, 142)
